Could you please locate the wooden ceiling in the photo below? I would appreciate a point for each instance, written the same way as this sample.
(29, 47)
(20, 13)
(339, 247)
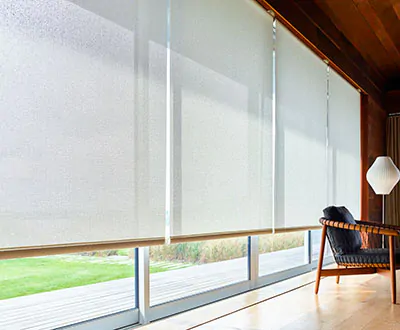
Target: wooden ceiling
(359, 38)
(373, 27)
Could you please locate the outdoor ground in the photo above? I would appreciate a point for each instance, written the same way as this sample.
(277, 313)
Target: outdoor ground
(20, 277)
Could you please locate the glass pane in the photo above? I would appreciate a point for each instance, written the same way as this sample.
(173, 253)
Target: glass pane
(185, 269)
(316, 245)
(55, 291)
(280, 252)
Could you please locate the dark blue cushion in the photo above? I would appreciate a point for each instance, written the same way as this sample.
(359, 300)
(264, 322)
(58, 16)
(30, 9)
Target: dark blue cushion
(342, 241)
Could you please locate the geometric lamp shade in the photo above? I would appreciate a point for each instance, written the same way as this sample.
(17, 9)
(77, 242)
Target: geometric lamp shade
(383, 175)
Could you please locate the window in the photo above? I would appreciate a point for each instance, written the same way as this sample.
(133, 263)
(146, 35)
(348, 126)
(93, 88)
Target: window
(221, 92)
(153, 120)
(82, 163)
(281, 252)
(59, 290)
(301, 133)
(316, 245)
(185, 269)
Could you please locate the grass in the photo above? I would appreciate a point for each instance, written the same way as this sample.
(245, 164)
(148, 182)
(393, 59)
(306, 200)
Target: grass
(21, 277)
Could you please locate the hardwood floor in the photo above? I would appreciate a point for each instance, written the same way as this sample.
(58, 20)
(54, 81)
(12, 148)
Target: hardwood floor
(358, 302)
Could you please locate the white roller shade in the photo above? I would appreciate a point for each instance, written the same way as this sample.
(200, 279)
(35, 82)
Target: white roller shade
(344, 144)
(301, 132)
(221, 98)
(82, 121)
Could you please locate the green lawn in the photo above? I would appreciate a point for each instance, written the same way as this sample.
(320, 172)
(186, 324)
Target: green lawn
(20, 277)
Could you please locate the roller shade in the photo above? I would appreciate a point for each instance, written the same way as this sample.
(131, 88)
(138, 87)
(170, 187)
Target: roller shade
(301, 133)
(124, 122)
(82, 101)
(221, 81)
(344, 144)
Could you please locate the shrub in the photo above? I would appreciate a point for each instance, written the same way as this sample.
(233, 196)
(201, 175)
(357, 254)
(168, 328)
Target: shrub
(224, 249)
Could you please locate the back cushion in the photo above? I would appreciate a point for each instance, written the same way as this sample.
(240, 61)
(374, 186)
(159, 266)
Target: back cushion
(342, 241)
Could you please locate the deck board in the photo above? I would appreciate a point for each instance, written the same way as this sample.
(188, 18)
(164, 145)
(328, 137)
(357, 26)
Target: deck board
(54, 309)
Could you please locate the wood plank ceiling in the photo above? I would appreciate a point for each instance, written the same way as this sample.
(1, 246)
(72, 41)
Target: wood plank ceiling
(372, 27)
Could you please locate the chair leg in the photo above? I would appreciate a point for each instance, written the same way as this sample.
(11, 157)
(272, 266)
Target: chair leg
(392, 268)
(321, 259)
(338, 277)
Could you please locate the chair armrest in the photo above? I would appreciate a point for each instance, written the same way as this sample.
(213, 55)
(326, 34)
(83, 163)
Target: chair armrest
(378, 225)
(360, 227)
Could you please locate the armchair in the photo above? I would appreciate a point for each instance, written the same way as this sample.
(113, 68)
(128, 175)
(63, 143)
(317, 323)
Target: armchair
(344, 237)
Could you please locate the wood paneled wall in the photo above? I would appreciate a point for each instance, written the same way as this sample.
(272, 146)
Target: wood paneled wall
(376, 147)
(373, 144)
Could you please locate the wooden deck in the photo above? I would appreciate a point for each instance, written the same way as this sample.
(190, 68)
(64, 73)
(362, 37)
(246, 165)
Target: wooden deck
(67, 306)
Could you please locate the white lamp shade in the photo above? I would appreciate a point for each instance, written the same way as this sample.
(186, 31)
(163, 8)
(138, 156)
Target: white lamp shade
(383, 175)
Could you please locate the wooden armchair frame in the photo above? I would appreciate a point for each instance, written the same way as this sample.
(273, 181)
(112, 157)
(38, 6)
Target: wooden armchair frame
(354, 269)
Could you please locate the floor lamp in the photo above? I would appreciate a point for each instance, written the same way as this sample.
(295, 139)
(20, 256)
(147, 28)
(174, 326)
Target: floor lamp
(383, 176)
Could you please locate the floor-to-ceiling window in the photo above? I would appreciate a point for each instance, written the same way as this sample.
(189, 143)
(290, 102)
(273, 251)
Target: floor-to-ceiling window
(201, 131)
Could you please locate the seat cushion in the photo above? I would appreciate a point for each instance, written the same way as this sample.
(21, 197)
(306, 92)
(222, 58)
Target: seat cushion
(342, 241)
(367, 256)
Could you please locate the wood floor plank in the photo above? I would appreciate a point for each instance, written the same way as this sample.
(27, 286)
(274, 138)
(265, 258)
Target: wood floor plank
(358, 302)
